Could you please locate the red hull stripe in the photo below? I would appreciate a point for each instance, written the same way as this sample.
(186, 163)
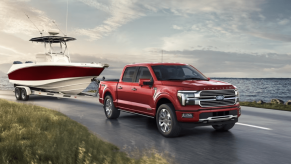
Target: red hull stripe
(53, 72)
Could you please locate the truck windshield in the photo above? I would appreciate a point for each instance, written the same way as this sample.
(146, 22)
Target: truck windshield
(177, 72)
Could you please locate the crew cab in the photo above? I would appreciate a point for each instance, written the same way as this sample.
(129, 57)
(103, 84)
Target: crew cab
(176, 95)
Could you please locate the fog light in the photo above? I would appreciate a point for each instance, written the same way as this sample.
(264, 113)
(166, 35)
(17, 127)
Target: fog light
(187, 115)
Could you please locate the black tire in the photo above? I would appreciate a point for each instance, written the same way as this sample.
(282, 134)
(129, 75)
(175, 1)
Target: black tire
(24, 95)
(110, 110)
(17, 93)
(223, 127)
(166, 121)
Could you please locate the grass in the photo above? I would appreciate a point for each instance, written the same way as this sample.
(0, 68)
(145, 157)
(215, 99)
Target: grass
(33, 134)
(267, 105)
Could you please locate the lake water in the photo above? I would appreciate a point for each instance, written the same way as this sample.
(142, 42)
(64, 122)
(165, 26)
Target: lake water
(254, 89)
(250, 89)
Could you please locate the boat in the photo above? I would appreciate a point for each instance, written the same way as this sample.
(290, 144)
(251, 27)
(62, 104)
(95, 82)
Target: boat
(53, 71)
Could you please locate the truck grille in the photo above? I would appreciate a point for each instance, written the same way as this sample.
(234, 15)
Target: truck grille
(214, 103)
(217, 92)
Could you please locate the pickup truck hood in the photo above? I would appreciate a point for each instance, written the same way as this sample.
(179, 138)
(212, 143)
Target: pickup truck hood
(200, 84)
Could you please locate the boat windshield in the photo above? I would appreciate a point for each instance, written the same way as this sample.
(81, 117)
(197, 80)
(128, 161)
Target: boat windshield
(177, 72)
(55, 48)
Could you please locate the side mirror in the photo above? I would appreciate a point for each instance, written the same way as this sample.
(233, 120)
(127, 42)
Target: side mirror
(145, 82)
(208, 78)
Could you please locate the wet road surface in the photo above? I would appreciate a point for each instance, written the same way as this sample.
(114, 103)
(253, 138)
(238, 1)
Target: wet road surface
(262, 136)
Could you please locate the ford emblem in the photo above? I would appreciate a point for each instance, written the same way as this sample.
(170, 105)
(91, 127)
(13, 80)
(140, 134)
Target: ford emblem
(220, 98)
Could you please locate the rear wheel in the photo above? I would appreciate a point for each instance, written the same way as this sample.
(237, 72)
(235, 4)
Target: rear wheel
(18, 93)
(24, 95)
(223, 127)
(110, 110)
(167, 122)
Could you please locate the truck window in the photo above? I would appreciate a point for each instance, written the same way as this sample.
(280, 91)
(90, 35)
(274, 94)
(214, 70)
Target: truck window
(128, 74)
(177, 72)
(189, 72)
(143, 73)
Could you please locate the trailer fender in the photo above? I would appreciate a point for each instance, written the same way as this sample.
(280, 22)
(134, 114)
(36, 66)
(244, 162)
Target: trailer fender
(28, 91)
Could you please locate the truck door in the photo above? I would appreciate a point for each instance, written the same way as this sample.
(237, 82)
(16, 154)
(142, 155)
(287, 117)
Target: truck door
(124, 89)
(143, 95)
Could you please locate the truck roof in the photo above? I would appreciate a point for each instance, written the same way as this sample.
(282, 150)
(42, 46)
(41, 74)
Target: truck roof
(152, 64)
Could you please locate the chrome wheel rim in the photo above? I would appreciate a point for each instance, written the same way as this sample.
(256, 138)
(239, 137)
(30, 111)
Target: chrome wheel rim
(165, 121)
(108, 107)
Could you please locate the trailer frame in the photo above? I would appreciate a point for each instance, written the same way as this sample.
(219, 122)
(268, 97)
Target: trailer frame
(23, 92)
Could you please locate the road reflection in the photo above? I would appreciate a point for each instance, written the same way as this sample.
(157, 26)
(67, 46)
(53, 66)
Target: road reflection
(201, 144)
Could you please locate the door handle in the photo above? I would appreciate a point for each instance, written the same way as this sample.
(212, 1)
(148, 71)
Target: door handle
(120, 87)
(134, 89)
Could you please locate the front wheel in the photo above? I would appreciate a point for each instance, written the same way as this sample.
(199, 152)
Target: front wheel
(167, 122)
(110, 110)
(223, 127)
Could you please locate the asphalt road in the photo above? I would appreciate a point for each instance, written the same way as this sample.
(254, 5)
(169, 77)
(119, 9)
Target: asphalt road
(262, 136)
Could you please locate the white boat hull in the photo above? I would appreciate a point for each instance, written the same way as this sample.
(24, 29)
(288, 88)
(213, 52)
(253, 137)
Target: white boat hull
(67, 78)
(70, 86)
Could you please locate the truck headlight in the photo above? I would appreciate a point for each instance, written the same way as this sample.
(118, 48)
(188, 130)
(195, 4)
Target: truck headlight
(186, 97)
(236, 95)
(236, 92)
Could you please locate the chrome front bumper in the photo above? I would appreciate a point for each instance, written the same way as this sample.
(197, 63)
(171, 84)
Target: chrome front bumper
(218, 118)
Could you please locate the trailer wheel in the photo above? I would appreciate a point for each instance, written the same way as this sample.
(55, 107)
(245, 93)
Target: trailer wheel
(223, 127)
(110, 110)
(18, 93)
(24, 95)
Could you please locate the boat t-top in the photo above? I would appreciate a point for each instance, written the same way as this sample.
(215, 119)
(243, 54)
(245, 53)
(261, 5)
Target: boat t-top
(53, 71)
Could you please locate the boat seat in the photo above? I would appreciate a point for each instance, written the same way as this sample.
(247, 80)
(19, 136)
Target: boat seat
(43, 58)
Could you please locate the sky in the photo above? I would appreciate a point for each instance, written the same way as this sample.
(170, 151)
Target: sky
(221, 38)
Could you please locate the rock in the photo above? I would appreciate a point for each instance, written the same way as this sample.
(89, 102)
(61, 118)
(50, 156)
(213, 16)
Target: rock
(277, 101)
(288, 102)
(261, 102)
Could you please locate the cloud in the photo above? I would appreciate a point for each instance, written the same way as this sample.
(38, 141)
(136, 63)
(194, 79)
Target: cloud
(115, 65)
(272, 36)
(8, 49)
(5, 67)
(230, 26)
(285, 69)
(2, 74)
(121, 13)
(125, 11)
(211, 63)
(13, 18)
(229, 64)
(13, 48)
(177, 27)
(96, 5)
(283, 21)
(185, 7)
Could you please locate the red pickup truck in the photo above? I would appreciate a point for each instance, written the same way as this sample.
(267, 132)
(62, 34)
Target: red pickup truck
(176, 95)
